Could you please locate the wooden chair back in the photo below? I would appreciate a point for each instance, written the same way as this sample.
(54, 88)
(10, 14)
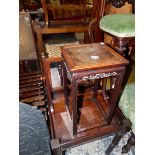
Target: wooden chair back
(46, 9)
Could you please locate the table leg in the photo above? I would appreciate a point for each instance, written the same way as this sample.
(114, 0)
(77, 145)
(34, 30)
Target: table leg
(74, 101)
(130, 143)
(65, 85)
(96, 84)
(114, 96)
(104, 83)
(115, 141)
(60, 72)
(119, 135)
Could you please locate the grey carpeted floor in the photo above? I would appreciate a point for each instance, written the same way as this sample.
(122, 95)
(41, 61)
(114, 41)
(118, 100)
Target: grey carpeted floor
(98, 147)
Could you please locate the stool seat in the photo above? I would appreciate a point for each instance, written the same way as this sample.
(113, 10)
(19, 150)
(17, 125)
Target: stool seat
(120, 25)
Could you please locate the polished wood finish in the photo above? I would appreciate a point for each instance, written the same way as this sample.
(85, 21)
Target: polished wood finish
(81, 57)
(81, 66)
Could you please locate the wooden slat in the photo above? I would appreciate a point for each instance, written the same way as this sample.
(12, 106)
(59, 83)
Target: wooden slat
(30, 77)
(29, 74)
(31, 93)
(30, 84)
(31, 88)
(33, 99)
(36, 80)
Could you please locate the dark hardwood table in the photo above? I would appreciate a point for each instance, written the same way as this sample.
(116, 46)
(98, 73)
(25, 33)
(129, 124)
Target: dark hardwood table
(92, 62)
(99, 115)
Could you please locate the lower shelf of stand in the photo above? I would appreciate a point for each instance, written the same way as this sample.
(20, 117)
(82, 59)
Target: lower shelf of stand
(92, 125)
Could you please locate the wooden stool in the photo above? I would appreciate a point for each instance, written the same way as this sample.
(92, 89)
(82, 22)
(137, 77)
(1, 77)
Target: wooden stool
(92, 62)
(120, 26)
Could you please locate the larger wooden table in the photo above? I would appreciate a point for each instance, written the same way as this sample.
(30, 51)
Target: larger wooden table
(73, 125)
(53, 28)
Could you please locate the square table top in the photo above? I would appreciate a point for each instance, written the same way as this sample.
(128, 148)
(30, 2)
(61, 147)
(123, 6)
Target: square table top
(91, 56)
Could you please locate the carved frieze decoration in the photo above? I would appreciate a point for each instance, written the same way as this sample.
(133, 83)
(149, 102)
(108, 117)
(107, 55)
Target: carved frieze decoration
(97, 76)
(91, 77)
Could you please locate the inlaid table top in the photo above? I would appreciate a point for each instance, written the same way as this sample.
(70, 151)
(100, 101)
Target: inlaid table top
(91, 56)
